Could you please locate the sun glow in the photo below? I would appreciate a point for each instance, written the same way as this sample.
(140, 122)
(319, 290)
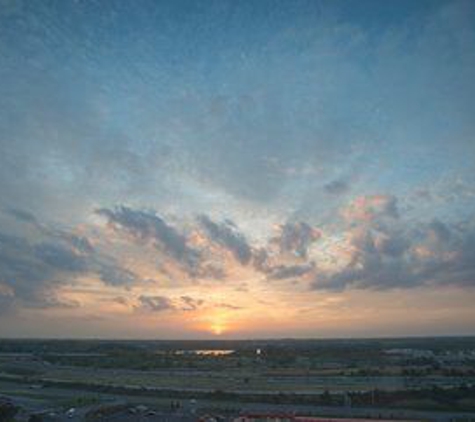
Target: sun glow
(218, 323)
(218, 328)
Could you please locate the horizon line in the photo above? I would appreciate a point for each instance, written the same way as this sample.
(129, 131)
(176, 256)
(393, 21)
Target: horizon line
(251, 339)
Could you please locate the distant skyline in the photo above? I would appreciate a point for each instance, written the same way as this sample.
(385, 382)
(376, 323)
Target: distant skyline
(237, 169)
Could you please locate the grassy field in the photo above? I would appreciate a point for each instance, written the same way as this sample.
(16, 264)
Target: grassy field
(83, 374)
(234, 380)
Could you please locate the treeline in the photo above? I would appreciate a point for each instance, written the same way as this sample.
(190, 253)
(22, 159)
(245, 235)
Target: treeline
(7, 411)
(145, 361)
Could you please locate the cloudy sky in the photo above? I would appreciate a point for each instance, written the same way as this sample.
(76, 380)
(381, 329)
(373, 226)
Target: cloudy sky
(182, 169)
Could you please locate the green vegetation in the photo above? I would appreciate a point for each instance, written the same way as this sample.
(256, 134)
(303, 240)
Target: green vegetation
(435, 374)
(7, 411)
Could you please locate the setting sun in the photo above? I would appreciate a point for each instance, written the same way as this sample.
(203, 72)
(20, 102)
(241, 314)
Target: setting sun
(217, 328)
(218, 323)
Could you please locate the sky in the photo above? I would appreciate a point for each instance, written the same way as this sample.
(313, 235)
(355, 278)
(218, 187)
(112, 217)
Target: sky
(237, 169)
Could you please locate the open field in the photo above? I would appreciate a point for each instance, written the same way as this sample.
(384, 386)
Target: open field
(395, 378)
(239, 381)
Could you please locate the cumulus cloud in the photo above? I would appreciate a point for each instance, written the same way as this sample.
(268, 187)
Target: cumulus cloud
(110, 272)
(146, 226)
(32, 271)
(185, 303)
(281, 272)
(337, 187)
(385, 257)
(371, 208)
(60, 257)
(212, 270)
(377, 246)
(286, 254)
(296, 238)
(155, 303)
(260, 259)
(28, 273)
(22, 215)
(368, 269)
(227, 235)
(381, 250)
(190, 304)
(438, 233)
(191, 253)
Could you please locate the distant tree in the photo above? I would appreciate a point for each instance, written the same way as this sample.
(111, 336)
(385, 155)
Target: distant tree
(7, 411)
(326, 397)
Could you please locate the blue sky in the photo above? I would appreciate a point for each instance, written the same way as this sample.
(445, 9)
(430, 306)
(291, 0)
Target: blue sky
(146, 147)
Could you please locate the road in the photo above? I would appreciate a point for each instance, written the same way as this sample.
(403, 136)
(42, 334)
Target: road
(54, 399)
